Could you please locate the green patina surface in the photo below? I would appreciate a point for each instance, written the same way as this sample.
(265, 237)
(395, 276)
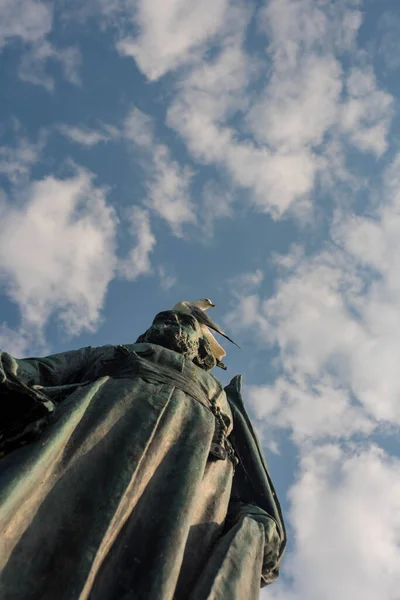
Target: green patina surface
(120, 476)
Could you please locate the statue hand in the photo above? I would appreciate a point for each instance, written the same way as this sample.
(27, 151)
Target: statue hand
(272, 541)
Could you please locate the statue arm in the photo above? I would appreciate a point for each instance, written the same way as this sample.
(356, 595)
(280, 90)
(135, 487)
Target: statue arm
(55, 370)
(240, 514)
(245, 558)
(30, 388)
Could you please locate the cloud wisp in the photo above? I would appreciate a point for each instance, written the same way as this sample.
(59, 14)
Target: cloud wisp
(345, 518)
(167, 182)
(30, 22)
(87, 137)
(138, 260)
(57, 252)
(172, 34)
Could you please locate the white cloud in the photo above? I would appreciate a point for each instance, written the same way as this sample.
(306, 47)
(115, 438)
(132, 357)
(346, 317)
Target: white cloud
(57, 252)
(389, 43)
(209, 96)
(167, 182)
(277, 142)
(298, 27)
(245, 283)
(335, 320)
(169, 190)
(312, 410)
(345, 512)
(16, 161)
(29, 20)
(367, 112)
(34, 62)
(295, 31)
(70, 59)
(172, 33)
(217, 203)
(298, 106)
(212, 92)
(138, 261)
(83, 135)
(139, 128)
(16, 342)
(246, 316)
(167, 281)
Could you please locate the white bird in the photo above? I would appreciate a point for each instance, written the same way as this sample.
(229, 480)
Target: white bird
(196, 308)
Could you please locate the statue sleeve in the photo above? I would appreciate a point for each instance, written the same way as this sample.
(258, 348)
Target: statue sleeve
(55, 370)
(30, 388)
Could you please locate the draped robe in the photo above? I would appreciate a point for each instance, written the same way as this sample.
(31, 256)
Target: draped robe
(129, 491)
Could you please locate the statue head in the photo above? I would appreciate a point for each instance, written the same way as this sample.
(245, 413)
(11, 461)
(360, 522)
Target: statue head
(182, 333)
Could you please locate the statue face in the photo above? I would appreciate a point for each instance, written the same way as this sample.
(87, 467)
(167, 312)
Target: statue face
(172, 319)
(176, 331)
(181, 333)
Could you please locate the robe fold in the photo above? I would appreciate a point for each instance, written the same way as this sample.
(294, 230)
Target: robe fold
(127, 491)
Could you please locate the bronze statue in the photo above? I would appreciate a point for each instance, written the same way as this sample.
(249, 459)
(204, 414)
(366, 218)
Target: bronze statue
(129, 473)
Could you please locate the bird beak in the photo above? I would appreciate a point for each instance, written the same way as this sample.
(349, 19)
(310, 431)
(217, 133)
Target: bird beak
(213, 305)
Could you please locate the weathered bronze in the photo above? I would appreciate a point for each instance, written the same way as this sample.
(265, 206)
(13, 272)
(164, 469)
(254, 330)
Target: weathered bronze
(128, 472)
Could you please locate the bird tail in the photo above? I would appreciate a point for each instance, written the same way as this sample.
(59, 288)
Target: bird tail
(228, 338)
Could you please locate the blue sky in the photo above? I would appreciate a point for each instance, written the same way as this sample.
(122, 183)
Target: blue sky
(248, 152)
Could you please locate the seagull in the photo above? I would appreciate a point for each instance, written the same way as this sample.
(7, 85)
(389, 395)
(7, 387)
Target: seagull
(196, 308)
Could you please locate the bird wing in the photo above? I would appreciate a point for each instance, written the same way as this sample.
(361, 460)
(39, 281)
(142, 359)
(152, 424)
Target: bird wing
(204, 319)
(216, 348)
(181, 306)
